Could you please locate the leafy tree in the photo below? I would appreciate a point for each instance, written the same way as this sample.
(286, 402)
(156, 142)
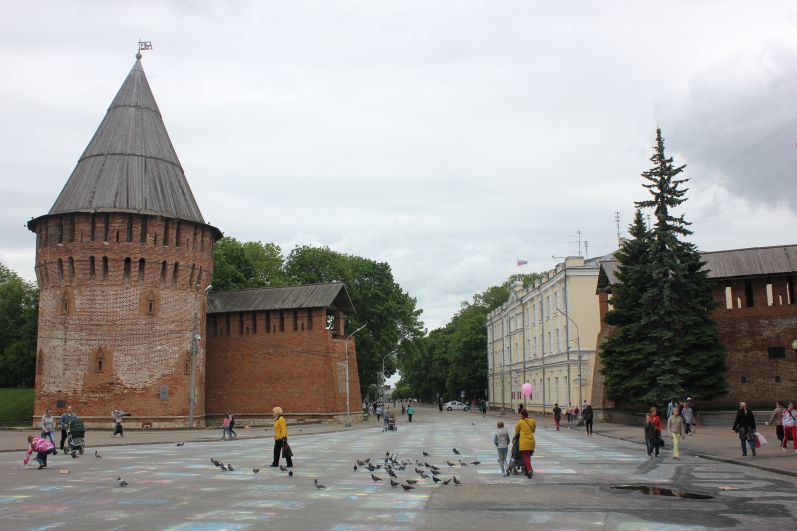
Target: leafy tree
(669, 341)
(239, 265)
(18, 327)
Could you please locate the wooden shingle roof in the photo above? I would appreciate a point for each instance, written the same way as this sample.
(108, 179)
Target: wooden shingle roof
(130, 164)
(733, 263)
(328, 295)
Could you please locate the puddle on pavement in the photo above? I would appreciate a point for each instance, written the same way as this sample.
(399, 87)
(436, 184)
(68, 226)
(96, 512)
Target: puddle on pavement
(663, 491)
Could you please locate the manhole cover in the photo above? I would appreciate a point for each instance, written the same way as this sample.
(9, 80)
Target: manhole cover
(663, 491)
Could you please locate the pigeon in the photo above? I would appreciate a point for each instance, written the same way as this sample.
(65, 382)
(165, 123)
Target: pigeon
(224, 467)
(376, 478)
(412, 481)
(424, 476)
(449, 463)
(427, 465)
(290, 473)
(283, 468)
(434, 467)
(475, 463)
(122, 483)
(230, 468)
(361, 463)
(217, 463)
(436, 479)
(355, 468)
(371, 467)
(456, 451)
(368, 460)
(387, 454)
(407, 487)
(418, 470)
(97, 454)
(456, 481)
(462, 464)
(447, 481)
(391, 473)
(436, 472)
(181, 443)
(425, 454)
(394, 484)
(73, 454)
(318, 485)
(256, 470)
(473, 423)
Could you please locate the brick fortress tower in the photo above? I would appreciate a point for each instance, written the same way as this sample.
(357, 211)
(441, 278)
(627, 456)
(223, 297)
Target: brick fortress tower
(123, 261)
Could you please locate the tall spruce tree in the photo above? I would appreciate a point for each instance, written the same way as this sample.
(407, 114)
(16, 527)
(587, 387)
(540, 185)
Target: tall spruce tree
(669, 340)
(626, 352)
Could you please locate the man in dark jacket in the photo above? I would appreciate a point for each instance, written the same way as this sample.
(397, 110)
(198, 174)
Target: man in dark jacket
(744, 425)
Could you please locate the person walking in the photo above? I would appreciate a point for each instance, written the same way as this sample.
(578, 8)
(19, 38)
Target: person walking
(744, 425)
(502, 442)
(777, 418)
(66, 417)
(656, 420)
(588, 418)
(688, 419)
(483, 407)
(225, 425)
(231, 429)
(557, 415)
(524, 429)
(281, 438)
(440, 403)
(789, 427)
(379, 411)
(672, 404)
(675, 425)
(651, 440)
(117, 415)
(569, 415)
(48, 426)
(410, 412)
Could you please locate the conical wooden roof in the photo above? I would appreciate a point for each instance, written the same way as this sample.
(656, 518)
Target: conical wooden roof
(130, 164)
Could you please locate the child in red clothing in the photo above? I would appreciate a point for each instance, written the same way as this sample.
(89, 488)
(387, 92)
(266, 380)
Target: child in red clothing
(42, 447)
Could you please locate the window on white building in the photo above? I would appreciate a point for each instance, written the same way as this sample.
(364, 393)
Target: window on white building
(558, 345)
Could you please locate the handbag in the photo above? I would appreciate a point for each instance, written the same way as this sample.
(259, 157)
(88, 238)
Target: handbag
(286, 450)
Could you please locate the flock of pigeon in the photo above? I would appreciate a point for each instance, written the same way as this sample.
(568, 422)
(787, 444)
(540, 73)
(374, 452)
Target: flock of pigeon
(391, 465)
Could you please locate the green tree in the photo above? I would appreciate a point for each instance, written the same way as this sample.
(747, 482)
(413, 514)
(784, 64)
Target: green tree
(239, 265)
(18, 327)
(670, 341)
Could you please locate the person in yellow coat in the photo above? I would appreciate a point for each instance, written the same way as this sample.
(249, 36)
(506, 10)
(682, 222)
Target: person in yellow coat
(280, 437)
(524, 430)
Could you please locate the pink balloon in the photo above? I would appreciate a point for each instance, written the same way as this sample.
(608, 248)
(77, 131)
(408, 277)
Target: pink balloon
(526, 389)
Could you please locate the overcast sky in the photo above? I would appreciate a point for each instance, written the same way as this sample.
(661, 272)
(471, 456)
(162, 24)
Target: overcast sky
(446, 138)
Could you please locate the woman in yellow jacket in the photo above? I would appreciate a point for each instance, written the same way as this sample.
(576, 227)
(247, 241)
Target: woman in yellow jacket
(524, 429)
(280, 437)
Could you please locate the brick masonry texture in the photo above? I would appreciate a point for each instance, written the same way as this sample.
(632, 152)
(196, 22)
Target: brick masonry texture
(747, 330)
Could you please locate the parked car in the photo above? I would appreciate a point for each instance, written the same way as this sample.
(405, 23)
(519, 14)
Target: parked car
(456, 404)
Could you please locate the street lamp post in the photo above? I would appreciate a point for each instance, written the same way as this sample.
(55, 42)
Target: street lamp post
(578, 346)
(346, 347)
(384, 378)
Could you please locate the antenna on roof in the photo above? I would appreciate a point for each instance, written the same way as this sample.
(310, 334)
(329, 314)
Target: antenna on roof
(617, 222)
(143, 45)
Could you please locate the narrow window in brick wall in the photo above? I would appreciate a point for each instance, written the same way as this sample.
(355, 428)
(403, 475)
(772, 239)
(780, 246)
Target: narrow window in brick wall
(776, 352)
(92, 270)
(117, 236)
(127, 265)
(150, 307)
(748, 293)
(778, 379)
(129, 236)
(790, 290)
(143, 232)
(142, 266)
(60, 269)
(177, 234)
(240, 323)
(228, 322)
(106, 225)
(65, 303)
(104, 267)
(191, 276)
(163, 273)
(728, 298)
(738, 302)
(99, 362)
(175, 273)
(744, 379)
(267, 325)
(254, 322)
(770, 295)
(71, 231)
(295, 320)
(70, 268)
(165, 232)
(309, 318)
(282, 321)
(93, 232)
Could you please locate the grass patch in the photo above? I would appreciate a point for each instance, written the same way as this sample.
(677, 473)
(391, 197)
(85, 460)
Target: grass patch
(16, 405)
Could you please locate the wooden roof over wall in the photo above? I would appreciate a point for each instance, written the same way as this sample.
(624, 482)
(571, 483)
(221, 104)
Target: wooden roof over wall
(328, 295)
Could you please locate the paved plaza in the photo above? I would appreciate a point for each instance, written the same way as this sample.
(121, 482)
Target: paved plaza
(178, 488)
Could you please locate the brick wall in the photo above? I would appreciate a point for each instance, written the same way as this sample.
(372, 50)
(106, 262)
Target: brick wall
(116, 313)
(254, 364)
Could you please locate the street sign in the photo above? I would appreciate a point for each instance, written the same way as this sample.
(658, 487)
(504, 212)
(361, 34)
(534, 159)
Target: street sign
(462, 393)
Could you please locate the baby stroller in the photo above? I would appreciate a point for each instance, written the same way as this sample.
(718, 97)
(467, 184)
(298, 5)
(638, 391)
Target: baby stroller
(515, 465)
(390, 424)
(76, 436)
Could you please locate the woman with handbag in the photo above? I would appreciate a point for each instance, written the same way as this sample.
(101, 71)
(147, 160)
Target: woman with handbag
(744, 425)
(281, 439)
(524, 430)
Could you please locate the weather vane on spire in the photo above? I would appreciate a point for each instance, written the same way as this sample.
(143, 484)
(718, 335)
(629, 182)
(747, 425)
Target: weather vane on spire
(143, 45)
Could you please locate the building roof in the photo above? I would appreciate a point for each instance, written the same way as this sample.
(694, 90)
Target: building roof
(130, 164)
(329, 295)
(733, 263)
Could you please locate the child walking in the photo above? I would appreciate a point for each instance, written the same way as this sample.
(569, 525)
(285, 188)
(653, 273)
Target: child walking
(502, 442)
